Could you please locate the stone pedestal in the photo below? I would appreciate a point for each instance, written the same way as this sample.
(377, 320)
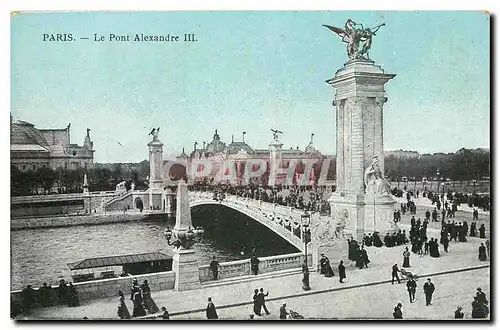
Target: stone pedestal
(359, 100)
(274, 161)
(185, 266)
(155, 190)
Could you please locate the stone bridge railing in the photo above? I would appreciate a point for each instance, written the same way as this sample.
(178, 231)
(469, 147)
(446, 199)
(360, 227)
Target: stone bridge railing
(285, 221)
(266, 265)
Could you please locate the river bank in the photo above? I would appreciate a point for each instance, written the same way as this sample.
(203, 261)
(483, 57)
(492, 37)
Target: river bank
(79, 220)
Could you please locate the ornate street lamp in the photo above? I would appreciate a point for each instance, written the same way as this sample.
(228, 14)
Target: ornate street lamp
(305, 220)
(183, 240)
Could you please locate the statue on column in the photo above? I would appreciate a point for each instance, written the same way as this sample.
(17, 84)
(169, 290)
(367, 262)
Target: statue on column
(275, 134)
(154, 132)
(376, 184)
(355, 35)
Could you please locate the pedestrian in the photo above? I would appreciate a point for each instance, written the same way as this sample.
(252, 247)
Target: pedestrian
(62, 292)
(28, 299)
(488, 247)
(214, 268)
(44, 294)
(123, 312)
(482, 231)
(164, 314)
(72, 296)
(479, 310)
(364, 257)
(482, 252)
(341, 271)
(481, 297)
(322, 262)
(256, 303)
(211, 311)
(395, 271)
(149, 303)
(458, 313)
(262, 300)
(406, 258)
(254, 264)
(411, 286)
(137, 299)
(428, 290)
(398, 313)
(283, 312)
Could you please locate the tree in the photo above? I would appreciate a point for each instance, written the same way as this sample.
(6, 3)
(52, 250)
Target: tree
(47, 178)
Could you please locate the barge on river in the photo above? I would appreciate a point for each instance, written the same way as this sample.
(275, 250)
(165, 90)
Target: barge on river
(123, 265)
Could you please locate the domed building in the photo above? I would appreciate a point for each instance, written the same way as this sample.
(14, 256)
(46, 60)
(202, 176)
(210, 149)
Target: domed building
(32, 148)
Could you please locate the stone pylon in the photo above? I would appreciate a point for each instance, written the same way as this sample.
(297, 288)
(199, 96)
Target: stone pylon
(185, 261)
(155, 190)
(359, 103)
(274, 160)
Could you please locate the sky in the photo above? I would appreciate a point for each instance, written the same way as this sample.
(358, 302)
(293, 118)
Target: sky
(247, 72)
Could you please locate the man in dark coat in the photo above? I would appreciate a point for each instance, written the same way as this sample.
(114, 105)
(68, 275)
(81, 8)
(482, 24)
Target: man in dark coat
(254, 263)
(481, 297)
(458, 313)
(28, 299)
(214, 268)
(341, 271)
(262, 300)
(411, 286)
(211, 311)
(428, 290)
(44, 294)
(482, 252)
(395, 271)
(482, 231)
(62, 292)
(398, 313)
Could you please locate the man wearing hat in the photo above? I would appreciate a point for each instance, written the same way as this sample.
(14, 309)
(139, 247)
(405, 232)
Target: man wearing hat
(398, 313)
(481, 297)
(428, 290)
(458, 313)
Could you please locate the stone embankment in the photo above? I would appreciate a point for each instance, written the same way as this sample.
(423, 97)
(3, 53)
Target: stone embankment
(76, 220)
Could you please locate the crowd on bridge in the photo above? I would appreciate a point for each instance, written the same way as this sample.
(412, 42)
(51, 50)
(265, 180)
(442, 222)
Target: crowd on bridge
(311, 198)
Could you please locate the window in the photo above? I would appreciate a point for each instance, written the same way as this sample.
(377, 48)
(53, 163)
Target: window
(33, 167)
(74, 152)
(24, 167)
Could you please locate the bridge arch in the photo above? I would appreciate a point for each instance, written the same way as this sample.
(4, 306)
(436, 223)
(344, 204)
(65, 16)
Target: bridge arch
(257, 214)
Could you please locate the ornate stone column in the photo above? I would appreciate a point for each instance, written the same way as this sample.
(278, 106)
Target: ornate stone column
(359, 99)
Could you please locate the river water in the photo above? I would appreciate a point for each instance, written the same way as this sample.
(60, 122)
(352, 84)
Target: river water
(41, 255)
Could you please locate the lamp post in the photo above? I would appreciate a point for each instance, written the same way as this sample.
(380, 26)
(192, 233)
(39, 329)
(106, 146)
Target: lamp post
(305, 220)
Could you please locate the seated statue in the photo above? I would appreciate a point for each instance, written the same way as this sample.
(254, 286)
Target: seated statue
(375, 183)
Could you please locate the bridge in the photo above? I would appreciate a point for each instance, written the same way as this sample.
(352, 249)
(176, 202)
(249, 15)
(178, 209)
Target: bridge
(284, 221)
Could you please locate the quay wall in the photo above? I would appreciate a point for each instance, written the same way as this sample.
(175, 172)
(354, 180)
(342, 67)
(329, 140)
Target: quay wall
(109, 287)
(74, 220)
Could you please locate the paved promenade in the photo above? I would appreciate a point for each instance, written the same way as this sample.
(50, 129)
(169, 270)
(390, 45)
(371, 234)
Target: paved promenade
(288, 289)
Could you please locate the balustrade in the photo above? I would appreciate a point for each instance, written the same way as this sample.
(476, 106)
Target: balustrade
(267, 264)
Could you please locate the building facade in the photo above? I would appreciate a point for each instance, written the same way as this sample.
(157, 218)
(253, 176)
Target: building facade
(218, 152)
(32, 148)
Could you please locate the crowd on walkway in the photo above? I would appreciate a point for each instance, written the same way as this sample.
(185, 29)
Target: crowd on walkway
(45, 296)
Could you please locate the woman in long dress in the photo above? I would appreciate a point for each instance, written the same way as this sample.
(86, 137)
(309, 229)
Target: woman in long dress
(149, 303)
(406, 258)
(123, 312)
